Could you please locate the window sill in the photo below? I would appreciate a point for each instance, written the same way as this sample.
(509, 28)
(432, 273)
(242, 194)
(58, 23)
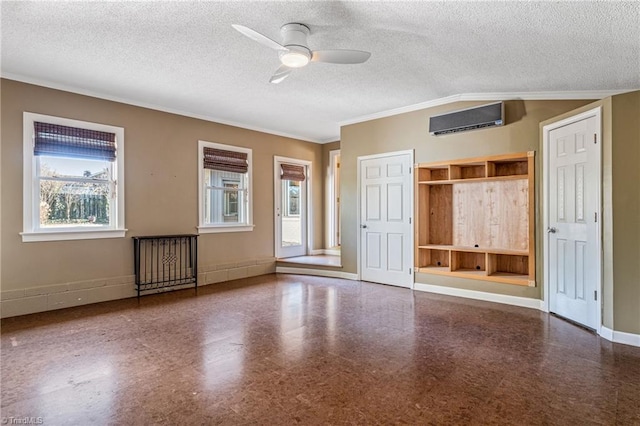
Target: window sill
(66, 235)
(216, 229)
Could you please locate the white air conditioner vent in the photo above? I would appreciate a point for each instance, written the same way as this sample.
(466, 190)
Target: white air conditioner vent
(467, 119)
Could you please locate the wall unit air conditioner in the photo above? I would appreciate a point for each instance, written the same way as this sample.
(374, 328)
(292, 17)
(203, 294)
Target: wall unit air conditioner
(489, 115)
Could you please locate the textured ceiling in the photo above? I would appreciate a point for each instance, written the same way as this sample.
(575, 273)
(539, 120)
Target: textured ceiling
(185, 56)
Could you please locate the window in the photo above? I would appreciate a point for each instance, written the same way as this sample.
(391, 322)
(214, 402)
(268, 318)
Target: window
(231, 199)
(224, 188)
(292, 198)
(73, 180)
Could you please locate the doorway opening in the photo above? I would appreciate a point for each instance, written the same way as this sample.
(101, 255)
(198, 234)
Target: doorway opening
(334, 203)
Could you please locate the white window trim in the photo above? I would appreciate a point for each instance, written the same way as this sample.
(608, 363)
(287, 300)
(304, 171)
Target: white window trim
(218, 227)
(30, 207)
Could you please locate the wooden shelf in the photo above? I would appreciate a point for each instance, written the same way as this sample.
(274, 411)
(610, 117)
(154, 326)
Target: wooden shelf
(502, 158)
(509, 275)
(475, 218)
(516, 279)
(472, 272)
(484, 179)
(503, 278)
(476, 249)
(434, 269)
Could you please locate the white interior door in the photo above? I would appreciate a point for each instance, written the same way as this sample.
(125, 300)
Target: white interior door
(573, 262)
(385, 219)
(291, 212)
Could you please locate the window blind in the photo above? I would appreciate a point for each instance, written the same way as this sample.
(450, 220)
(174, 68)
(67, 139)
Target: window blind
(63, 141)
(292, 172)
(226, 161)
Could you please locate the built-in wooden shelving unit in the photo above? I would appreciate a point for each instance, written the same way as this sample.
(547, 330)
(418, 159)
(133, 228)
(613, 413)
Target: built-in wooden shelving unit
(475, 218)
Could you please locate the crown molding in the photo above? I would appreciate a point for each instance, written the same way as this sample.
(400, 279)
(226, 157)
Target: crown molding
(71, 89)
(496, 96)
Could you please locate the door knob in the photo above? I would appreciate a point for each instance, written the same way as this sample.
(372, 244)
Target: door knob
(363, 226)
(552, 230)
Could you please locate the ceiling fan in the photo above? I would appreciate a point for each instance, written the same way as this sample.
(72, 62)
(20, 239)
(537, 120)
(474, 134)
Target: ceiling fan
(294, 52)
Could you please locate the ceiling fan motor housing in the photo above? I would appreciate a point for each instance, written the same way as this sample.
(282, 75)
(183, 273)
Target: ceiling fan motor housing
(294, 34)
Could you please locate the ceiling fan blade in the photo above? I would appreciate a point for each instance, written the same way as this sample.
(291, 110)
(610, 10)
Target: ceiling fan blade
(280, 74)
(256, 36)
(340, 56)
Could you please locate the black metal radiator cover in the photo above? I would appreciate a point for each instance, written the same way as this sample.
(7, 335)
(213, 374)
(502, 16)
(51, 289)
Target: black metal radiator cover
(164, 261)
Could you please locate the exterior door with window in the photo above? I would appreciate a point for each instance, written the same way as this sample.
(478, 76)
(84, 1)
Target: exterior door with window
(291, 212)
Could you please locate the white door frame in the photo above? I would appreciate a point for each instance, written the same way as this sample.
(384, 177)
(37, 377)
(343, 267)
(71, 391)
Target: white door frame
(411, 197)
(546, 130)
(277, 194)
(332, 198)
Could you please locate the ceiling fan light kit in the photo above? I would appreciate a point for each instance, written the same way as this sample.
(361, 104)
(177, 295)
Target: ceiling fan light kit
(295, 53)
(296, 57)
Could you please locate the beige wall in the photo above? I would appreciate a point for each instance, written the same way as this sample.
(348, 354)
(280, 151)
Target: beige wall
(411, 131)
(625, 124)
(161, 188)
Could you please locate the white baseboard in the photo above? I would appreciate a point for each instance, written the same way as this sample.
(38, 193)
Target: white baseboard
(332, 252)
(316, 272)
(324, 251)
(620, 336)
(606, 333)
(524, 302)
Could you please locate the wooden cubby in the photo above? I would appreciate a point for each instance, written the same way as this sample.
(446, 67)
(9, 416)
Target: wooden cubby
(464, 261)
(433, 258)
(475, 218)
(435, 173)
(467, 171)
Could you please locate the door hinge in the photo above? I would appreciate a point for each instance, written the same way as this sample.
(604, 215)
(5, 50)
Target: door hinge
(595, 138)
(410, 170)
(409, 221)
(409, 271)
(595, 216)
(337, 165)
(595, 294)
